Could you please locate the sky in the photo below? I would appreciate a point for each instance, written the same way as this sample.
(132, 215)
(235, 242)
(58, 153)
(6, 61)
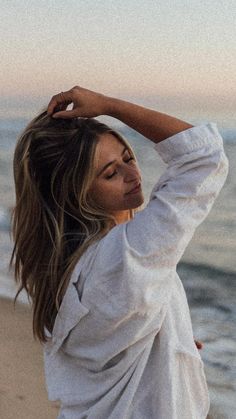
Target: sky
(175, 56)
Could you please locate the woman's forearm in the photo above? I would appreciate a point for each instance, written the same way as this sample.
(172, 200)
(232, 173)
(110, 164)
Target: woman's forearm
(154, 125)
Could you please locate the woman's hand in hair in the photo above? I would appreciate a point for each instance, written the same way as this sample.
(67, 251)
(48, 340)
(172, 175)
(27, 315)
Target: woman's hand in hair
(86, 103)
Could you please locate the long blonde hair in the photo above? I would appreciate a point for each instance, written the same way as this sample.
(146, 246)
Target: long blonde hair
(54, 219)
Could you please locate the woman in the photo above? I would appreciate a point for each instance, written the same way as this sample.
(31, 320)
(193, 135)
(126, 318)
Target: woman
(108, 304)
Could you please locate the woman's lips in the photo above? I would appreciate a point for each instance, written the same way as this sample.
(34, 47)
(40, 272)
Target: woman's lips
(137, 189)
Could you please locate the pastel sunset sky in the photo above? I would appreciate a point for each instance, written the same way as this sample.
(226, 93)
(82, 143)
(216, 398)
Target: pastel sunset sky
(176, 56)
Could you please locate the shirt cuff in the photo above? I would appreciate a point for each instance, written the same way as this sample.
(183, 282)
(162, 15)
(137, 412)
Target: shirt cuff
(189, 140)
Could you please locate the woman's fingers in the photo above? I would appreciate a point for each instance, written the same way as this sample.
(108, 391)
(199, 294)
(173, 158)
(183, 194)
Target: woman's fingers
(198, 344)
(86, 103)
(59, 101)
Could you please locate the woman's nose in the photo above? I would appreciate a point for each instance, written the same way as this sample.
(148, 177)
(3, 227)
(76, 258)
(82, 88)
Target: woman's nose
(132, 174)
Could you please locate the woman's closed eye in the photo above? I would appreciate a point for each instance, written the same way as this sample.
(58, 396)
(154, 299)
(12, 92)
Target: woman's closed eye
(114, 173)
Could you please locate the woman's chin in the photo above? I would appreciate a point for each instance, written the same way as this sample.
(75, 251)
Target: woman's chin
(136, 199)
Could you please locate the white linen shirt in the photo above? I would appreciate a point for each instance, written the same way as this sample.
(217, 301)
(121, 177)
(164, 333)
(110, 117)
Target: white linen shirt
(122, 346)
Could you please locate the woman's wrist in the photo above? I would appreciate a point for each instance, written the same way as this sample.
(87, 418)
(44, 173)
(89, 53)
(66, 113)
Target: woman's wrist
(120, 109)
(111, 106)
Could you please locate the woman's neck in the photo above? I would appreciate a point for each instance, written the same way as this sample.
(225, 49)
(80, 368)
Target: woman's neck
(123, 216)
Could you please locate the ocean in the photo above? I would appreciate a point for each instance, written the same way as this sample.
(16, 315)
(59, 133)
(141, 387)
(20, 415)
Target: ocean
(207, 268)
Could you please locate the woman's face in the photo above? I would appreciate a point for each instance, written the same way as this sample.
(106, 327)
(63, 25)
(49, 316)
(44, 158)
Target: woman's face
(116, 174)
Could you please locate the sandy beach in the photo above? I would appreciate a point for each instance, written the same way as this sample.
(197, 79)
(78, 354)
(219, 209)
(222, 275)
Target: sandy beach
(22, 387)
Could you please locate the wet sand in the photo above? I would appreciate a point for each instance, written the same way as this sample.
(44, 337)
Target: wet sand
(22, 386)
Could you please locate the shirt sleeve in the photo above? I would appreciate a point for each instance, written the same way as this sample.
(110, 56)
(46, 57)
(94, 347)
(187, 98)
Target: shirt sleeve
(182, 198)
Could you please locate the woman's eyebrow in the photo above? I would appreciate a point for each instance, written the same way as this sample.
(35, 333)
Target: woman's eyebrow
(111, 162)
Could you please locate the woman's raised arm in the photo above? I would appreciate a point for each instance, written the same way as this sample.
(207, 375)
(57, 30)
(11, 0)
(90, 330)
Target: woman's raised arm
(154, 125)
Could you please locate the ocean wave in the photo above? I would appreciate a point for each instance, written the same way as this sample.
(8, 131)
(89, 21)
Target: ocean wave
(229, 135)
(208, 270)
(4, 219)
